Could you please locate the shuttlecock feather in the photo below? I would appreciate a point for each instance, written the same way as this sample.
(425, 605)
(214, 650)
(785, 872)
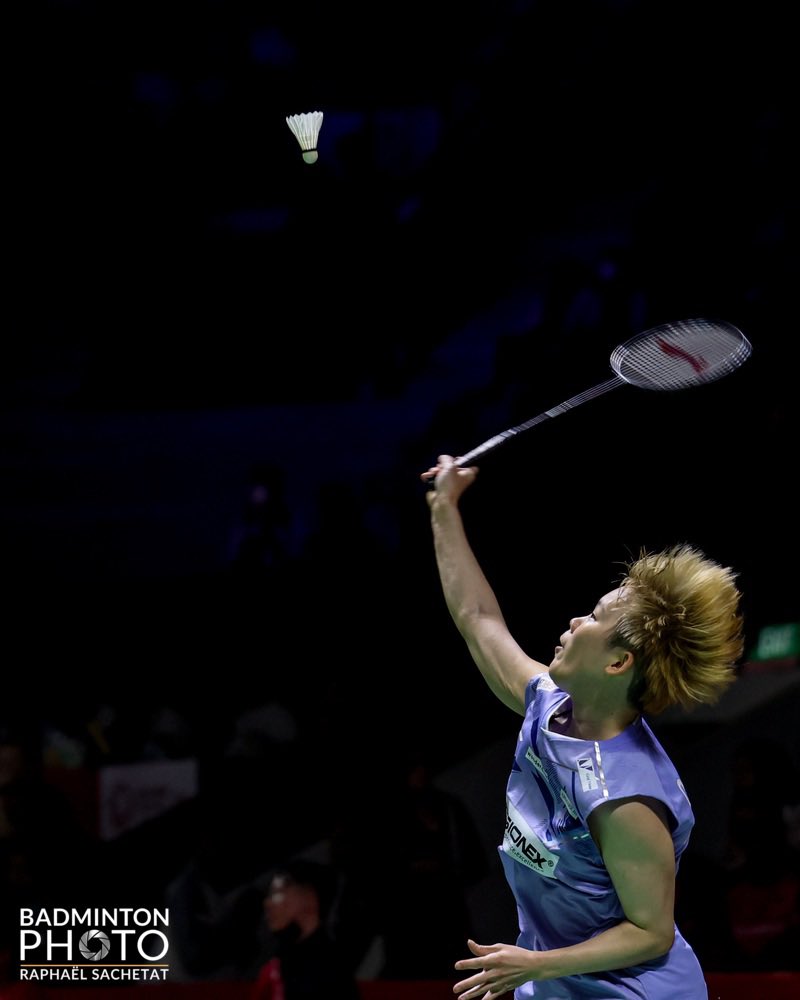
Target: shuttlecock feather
(305, 129)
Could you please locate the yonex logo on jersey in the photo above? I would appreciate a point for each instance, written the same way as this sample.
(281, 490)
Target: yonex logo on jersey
(586, 772)
(522, 844)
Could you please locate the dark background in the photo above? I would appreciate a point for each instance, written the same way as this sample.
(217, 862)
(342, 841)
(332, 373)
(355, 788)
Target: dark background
(504, 192)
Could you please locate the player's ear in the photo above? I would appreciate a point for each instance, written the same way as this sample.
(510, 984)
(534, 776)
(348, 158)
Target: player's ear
(625, 661)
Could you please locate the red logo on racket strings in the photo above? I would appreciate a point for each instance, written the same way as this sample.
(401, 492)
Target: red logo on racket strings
(699, 364)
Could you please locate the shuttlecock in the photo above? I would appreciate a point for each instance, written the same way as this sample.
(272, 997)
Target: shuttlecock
(306, 129)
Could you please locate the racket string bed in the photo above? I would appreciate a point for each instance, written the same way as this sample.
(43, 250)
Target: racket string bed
(679, 355)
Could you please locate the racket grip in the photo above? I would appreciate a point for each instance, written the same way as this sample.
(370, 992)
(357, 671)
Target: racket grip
(482, 449)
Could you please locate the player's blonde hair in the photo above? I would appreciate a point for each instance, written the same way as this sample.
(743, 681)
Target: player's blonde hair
(681, 620)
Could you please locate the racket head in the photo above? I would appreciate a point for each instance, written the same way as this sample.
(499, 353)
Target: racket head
(681, 354)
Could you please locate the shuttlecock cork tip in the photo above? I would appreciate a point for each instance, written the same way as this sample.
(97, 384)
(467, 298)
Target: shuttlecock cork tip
(305, 129)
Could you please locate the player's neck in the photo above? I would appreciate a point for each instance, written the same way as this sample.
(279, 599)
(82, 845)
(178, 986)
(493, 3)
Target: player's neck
(584, 723)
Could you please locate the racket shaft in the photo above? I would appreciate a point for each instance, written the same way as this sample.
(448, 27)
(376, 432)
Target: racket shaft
(555, 411)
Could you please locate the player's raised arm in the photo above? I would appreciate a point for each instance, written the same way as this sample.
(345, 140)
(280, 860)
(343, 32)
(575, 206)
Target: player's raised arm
(468, 595)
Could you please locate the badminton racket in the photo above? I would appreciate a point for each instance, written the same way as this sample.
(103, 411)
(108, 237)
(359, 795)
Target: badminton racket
(671, 356)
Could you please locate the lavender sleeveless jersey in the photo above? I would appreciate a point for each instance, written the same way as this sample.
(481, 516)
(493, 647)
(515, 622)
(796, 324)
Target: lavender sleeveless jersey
(563, 892)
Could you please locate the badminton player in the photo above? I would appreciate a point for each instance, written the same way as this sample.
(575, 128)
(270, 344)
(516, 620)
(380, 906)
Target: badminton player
(596, 815)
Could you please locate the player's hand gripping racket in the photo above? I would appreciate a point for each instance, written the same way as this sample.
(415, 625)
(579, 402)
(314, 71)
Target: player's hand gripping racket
(671, 356)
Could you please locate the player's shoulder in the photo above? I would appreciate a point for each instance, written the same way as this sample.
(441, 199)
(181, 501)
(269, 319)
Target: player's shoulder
(541, 688)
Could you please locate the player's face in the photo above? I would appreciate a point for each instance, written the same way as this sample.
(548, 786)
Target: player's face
(584, 651)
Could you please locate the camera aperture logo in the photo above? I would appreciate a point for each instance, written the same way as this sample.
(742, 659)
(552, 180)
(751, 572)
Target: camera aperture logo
(123, 944)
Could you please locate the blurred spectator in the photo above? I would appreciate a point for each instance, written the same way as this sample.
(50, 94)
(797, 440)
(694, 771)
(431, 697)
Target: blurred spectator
(46, 858)
(264, 731)
(262, 544)
(305, 962)
(701, 910)
(431, 854)
(168, 735)
(762, 859)
(253, 813)
(214, 906)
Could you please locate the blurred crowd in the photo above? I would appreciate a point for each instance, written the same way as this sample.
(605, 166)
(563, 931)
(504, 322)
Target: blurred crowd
(293, 833)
